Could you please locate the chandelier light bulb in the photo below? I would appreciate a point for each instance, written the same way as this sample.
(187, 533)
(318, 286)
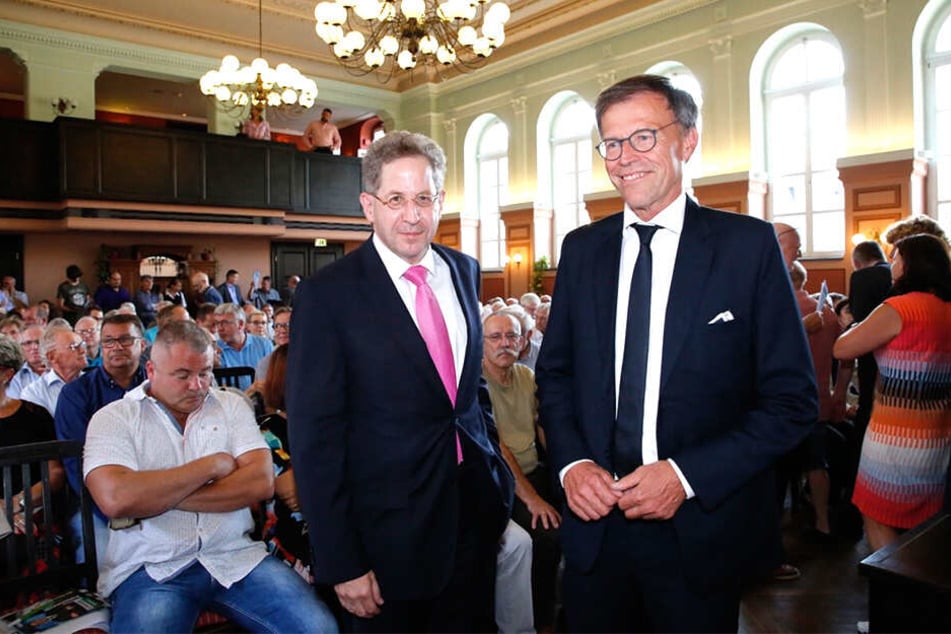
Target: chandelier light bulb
(364, 34)
(406, 60)
(413, 9)
(259, 65)
(230, 63)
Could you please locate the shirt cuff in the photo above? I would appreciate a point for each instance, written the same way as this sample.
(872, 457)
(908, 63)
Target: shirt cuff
(567, 467)
(683, 481)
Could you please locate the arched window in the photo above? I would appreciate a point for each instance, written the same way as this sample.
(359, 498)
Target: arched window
(492, 165)
(804, 110)
(681, 77)
(937, 111)
(570, 166)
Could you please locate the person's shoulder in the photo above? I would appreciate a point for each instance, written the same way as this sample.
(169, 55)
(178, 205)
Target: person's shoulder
(36, 411)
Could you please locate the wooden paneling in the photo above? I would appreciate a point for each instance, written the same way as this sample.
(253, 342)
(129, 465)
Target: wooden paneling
(26, 168)
(137, 165)
(448, 233)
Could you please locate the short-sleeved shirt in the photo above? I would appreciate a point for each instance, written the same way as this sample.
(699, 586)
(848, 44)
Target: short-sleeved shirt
(74, 296)
(137, 432)
(515, 408)
(21, 380)
(255, 348)
(45, 391)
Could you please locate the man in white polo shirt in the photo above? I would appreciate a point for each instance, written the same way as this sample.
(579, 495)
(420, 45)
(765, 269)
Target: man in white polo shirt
(178, 465)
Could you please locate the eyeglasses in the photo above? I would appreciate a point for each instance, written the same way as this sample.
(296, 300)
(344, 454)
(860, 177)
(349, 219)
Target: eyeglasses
(224, 322)
(124, 341)
(399, 201)
(85, 332)
(497, 337)
(642, 140)
(77, 345)
(30, 342)
(282, 326)
(258, 323)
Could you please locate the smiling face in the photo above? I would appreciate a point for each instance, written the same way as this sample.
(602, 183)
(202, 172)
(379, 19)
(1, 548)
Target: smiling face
(407, 231)
(648, 181)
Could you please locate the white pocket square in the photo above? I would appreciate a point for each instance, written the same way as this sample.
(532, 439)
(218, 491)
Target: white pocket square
(723, 317)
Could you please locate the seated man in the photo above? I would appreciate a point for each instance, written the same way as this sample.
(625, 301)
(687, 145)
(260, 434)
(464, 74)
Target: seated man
(180, 464)
(512, 392)
(238, 348)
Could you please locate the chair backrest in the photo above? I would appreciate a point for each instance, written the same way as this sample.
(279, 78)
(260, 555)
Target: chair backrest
(41, 558)
(229, 377)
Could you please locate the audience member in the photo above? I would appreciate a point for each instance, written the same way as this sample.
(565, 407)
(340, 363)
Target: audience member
(170, 313)
(282, 336)
(263, 296)
(65, 354)
(151, 460)
(238, 348)
(869, 285)
(204, 291)
(72, 295)
(146, 300)
(22, 422)
(205, 317)
(395, 451)
(913, 226)
(514, 609)
(530, 302)
(42, 312)
(120, 372)
(664, 423)
(174, 292)
(257, 323)
(321, 135)
(512, 393)
(34, 366)
(541, 322)
(812, 455)
(905, 452)
(88, 328)
(290, 287)
(112, 295)
(230, 290)
(12, 326)
(9, 288)
(256, 127)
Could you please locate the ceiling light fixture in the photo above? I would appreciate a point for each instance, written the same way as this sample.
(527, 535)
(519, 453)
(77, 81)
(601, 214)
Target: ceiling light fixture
(388, 36)
(236, 88)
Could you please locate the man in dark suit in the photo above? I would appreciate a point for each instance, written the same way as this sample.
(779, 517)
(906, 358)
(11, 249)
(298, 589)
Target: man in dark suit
(868, 287)
(395, 451)
(667, 395)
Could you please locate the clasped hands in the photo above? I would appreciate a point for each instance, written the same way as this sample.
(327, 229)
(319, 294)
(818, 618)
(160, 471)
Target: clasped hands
(650, 492)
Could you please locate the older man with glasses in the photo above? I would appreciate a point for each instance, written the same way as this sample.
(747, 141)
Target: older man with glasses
(65, 353)
(121, 371)
(238, 347)
(34, 366)
(88, 328)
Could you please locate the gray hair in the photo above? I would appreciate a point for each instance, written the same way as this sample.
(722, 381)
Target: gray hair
(11, 354)
(524, 319)
(529, 299)
(231, 309)
(397, 145)
(187, 332)
(48, 340)
(504, 313)
(680, 102)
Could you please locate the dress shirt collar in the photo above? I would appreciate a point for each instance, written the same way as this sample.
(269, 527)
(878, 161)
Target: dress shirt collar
(671, 218)
(397, 266)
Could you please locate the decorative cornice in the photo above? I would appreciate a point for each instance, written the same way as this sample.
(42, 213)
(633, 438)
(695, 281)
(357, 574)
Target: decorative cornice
(873, 8)
(721, 46)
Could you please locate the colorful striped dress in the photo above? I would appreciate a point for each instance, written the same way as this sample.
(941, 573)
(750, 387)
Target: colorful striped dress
(901, 476)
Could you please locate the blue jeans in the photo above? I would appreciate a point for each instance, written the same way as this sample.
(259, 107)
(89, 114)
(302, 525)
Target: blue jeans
(270, 598)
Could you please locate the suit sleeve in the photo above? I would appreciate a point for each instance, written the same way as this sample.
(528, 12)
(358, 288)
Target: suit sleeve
(317, 407)
(783, 401)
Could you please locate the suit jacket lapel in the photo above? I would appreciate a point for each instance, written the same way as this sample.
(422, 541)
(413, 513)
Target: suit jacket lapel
(463, 283)
(691, 269)
(607, 263)
(380, 294)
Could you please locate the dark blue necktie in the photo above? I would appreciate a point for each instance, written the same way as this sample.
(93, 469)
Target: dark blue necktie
(630, 407)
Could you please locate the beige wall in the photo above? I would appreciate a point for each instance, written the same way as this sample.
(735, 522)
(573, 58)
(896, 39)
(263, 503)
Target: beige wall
(46, 255)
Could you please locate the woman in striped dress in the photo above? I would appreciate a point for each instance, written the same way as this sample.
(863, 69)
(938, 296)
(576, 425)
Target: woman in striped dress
(904, 462)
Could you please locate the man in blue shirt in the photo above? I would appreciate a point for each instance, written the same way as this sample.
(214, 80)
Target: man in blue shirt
(238, 348)
(264, 295)
(112, 295)
(145, 300)
(120, 372)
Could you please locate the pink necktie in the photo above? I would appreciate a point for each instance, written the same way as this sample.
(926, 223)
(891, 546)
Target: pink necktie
(432, 327)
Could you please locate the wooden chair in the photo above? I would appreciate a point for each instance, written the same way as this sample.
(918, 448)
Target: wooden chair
(41, 560)
(229, 377)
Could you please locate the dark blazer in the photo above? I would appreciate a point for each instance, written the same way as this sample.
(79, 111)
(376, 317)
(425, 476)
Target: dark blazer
(372, 429)
(734, 395)
(868, 288)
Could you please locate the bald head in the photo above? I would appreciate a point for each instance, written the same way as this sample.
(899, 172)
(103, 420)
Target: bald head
(789, 242)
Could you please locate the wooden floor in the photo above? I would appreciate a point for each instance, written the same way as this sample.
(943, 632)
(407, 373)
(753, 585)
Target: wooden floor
(830, 596)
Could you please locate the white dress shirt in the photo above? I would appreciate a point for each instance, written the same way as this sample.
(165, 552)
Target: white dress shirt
(440, 280)
(45, 391)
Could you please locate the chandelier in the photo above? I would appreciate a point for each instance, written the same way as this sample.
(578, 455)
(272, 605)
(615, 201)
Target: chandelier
(236, 88)
(389, 35)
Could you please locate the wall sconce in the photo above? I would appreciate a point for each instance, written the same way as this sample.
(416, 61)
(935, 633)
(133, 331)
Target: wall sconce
(63, 105)
(517, 258)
